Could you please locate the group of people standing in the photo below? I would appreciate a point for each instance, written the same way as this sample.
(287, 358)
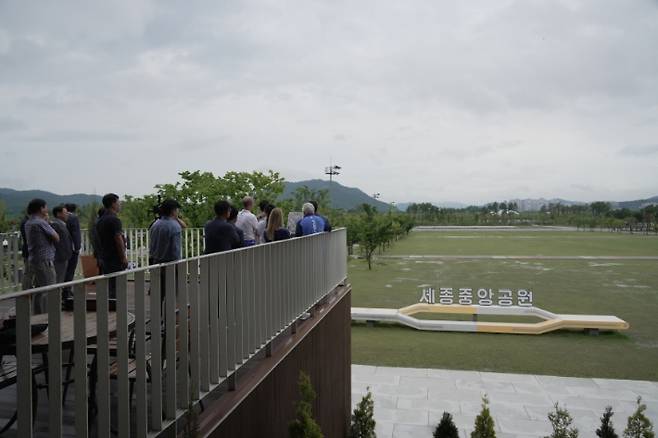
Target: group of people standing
(51, 247)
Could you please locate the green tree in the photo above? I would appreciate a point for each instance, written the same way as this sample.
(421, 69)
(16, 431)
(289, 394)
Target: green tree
(4, 221)
(600, 208)
(305, 194)
(561, 423)
(484, 423)
(375, 230)
(446, 427)
(639, 426)
(304, 426)
(138, 212)
(198, 191)
(607, 429)
(363, 421)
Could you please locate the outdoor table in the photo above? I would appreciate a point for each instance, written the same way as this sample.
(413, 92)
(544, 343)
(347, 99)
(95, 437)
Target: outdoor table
(40, 340)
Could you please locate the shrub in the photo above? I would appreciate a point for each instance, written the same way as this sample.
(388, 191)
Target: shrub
(484, 423)
(191, 429)
(607, 429)
(304, 426)
(446, 427)
(561, 422)
(638, 425)
(363, 423)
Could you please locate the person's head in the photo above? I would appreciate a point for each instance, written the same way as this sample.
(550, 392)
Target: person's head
(71, 208)
(274, 222)
(308, 209)
(111, 202)
(222, 209)
(248, 203)
(262, 205)
(233, 215)
(315, 206)
(169, 207)
(268, 210)
(37, 206)
(61, 212)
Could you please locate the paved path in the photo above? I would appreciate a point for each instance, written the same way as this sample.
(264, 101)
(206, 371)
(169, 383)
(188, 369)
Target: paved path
(409, 402)
(513, 257)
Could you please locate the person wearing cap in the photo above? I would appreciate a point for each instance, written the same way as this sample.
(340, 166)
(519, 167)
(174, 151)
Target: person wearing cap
(165, 234)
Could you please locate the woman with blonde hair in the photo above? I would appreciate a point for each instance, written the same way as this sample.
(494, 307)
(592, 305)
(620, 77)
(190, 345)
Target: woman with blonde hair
(275, 230)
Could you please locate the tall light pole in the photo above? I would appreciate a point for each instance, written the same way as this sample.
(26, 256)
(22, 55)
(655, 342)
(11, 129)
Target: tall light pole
(331, 170)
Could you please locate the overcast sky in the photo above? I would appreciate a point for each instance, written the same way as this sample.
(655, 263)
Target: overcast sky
(469, 101)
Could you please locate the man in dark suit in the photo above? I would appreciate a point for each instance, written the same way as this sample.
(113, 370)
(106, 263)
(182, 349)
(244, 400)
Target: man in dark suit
(63, 247)
(73, 226)
(220, 235)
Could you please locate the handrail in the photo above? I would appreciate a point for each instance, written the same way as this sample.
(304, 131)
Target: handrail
(237, 302)
(11, 258)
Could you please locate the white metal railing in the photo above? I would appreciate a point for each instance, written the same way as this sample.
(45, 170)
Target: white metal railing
(219, 310)
(11, 261)
(137, 252)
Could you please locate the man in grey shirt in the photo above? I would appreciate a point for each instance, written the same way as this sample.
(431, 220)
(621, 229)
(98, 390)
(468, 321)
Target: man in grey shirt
(63, 248)
(41, 237)
(165, 234)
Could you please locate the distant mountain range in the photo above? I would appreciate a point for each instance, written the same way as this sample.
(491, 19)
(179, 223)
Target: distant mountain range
(347, 198)
(402, 206)
(636, 205)
(536, 204)
(16, 200)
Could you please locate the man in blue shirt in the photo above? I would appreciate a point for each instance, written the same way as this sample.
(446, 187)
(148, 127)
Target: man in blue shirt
(165, 234)
(41, 239)
(310, 223)
(220, 235)
(327, 225)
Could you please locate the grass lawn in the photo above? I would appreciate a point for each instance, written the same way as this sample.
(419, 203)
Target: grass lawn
(559, 243)
(625, 288)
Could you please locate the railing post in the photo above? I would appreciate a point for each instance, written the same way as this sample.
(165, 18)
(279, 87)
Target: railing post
(171, 336)
(212, 310)
(194, 328)
(183, 335)
(124, 402)
(141, 407)
(24, 365)
(80, 368)
(156, 349)
(222, 284)
(102, 359)
(54, 362)
(204, 325)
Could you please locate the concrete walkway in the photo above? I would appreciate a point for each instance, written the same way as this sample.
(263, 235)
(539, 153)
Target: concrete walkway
(409, 402)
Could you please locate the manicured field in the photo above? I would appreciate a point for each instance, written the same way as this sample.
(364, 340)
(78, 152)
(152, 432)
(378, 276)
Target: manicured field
(527, 243)
(625, 288)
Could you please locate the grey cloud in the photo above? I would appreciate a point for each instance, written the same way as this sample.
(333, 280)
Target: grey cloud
(77, 136)
(10, 124)
(639, 151)
(501, 85)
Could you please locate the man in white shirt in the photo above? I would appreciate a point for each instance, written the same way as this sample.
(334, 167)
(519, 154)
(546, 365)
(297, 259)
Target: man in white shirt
(247, 221)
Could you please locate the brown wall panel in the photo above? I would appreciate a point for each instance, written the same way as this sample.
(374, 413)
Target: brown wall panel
(324, 353)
